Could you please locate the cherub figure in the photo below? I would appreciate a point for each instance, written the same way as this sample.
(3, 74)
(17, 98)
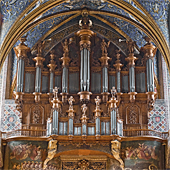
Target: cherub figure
(104, 46)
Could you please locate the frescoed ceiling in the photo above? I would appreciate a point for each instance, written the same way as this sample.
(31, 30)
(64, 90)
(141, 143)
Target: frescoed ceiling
(44, 19)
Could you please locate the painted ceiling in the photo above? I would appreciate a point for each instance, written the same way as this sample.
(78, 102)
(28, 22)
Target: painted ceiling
(46, 24)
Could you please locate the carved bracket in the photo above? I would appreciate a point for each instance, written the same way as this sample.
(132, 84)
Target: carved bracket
(52, 149)
(115, 150)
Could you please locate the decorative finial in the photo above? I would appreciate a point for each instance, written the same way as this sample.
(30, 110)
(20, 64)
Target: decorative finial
(55, 91)
(70, 101)
(84, 109)
(104, 46)
(97, 101)
(85, 22)
(113, 92)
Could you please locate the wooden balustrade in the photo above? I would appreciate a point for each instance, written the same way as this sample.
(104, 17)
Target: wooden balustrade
(24, 132)
(126, 133)
(144, 132)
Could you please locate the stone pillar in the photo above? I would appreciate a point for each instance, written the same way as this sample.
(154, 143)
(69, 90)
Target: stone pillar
(21, 52)
(39, 64)
(97, 114)
(131, 63)
(65, 59)
(149, 51)
(56, 105)
(85, 35)
(112, 105)
(104, 62)
(71, 115)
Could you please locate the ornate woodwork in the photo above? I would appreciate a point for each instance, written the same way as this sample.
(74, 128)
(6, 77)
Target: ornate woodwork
(97, 89)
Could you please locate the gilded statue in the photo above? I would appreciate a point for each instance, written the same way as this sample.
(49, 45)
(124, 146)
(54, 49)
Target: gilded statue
(84, 109)
(55, 91)
(70, 101)
(104, 46)
(52, 149)
(40, 47)
(115, 150)
(113, 92)
(131, 46)
(97, 101)
(66, 47)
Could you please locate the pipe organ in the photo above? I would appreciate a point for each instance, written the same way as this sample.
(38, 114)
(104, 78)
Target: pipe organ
(126, 91)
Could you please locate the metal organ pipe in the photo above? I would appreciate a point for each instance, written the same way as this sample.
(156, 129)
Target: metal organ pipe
(85, 35)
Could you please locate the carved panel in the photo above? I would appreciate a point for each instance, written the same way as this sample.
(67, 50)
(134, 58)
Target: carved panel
(37, 115)
(132, 114)
(83, 162)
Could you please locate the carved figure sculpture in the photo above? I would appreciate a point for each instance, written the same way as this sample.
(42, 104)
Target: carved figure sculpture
(52, 148)
(131, 44)
(55, 91)
(97, 101)
(104, 46)
(40, 47)
(84, 109)
(65, 47)
(70, 101)
(115, 150)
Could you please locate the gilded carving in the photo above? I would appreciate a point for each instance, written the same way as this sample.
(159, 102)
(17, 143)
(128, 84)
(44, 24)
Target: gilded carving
(52, 149)
(104, 47)
(115, 150)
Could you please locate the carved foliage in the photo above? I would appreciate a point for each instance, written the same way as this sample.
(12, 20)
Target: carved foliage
(84, 165)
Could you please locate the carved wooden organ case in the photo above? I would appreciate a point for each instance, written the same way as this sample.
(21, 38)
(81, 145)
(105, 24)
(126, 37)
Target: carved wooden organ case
(85, 85)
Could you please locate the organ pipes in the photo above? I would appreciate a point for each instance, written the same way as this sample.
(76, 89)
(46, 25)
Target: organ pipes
(104, 62)
(39, 64)
(85, 35)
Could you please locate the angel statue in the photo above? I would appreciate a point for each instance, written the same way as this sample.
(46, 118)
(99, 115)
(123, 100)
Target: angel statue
(66, 46)
(40, 47)
(104, 47)
(131, 45)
